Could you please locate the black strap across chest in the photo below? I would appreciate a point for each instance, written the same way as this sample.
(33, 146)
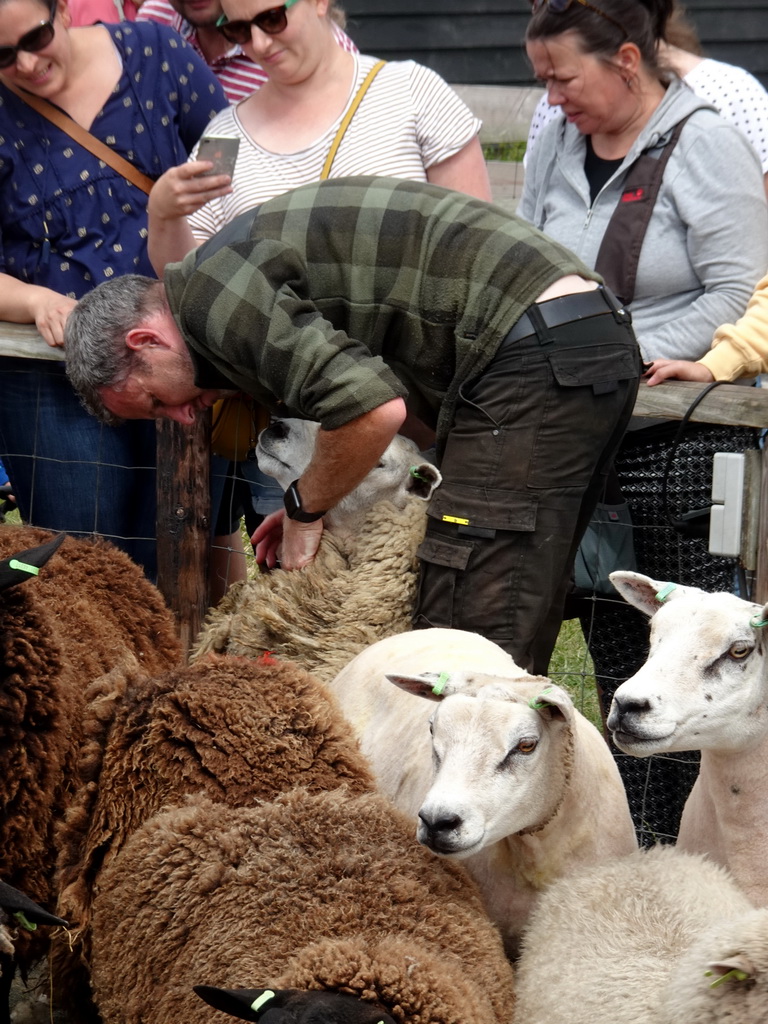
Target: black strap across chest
(622, 242)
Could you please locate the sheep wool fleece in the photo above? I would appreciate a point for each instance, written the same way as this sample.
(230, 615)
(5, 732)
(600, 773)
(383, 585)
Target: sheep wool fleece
(324, 891)
(343, 295)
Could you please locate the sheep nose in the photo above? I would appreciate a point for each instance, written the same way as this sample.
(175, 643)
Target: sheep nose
(436, 825)
(279, 429)
(624, 706)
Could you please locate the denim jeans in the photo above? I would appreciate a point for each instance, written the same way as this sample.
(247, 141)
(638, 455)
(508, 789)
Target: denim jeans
(523, 467)
(70, 472)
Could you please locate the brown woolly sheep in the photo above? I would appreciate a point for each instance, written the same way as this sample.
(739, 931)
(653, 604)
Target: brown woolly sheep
(362, 584)
(323, 892)
(90, 609)
(236, 730)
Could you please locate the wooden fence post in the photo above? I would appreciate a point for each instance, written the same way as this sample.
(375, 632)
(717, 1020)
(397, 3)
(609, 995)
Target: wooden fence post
(183, 522)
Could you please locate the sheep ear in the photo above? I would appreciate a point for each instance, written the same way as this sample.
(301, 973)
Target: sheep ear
(735, 968)
(245, 1003)
(26, 911)
(641, 591)
(432, 685)
(423, 480)
(21, 566)
(553, 700)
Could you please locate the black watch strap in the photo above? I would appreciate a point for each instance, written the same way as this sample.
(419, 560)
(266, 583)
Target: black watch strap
(293, 509)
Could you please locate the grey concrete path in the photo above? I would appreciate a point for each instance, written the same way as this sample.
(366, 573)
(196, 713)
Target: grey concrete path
(506, 182)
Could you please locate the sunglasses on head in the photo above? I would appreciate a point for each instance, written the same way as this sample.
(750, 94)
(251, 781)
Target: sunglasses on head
(270, 21)
(560, 6)
(32, 41)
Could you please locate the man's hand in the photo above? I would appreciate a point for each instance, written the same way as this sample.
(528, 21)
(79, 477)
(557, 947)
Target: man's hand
(267, 539)
(300, 543)
(292, 544)
(677, 369)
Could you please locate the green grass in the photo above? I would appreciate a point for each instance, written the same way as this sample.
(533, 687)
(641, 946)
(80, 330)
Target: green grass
(571, 667)
(509, 151)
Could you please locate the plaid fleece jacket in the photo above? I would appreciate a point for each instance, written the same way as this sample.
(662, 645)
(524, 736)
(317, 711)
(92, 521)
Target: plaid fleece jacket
(338, 296)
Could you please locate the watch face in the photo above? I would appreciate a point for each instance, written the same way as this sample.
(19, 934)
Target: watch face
(293, 509)
(292, 501)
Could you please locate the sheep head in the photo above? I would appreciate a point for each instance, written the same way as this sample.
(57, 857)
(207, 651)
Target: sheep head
(704, 683)
(292, 1006)
(25, 564)
(501, 753)
(285, 449)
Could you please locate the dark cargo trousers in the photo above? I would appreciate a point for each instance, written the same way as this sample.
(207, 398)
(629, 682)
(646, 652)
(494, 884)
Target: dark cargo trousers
(523, 468)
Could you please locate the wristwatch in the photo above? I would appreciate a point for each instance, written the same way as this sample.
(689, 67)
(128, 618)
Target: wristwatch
(293, 509)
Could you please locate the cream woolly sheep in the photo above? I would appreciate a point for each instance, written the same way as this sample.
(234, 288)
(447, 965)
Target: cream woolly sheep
(515, 781)
(362, 584)
(89, 609)
(238, 731)
(705, 687)
(321, 893)
(658, 937)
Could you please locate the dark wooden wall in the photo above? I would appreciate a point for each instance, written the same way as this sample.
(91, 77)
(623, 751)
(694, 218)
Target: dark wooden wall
(479, 42)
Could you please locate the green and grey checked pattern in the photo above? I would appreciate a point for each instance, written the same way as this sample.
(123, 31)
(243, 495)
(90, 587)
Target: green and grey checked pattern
(341, 295)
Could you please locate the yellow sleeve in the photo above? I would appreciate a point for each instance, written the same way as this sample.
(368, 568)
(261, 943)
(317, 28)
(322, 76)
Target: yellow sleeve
(741, 349)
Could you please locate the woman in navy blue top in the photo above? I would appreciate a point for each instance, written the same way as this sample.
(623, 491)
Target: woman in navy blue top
(69, 222)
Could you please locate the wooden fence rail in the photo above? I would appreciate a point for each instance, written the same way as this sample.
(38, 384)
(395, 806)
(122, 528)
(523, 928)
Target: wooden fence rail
(183, 499)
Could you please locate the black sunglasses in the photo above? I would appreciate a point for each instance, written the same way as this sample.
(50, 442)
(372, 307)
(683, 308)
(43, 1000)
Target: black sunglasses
(560, 6)
(271, 21)
(32, 41)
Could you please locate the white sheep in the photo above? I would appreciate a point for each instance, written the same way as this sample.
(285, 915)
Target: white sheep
(515, 781)
(658, 937)
(705, 687)
(362, 584)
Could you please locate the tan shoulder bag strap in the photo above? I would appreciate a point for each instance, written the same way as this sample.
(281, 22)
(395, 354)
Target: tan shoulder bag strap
(348, 117)
(86, 140)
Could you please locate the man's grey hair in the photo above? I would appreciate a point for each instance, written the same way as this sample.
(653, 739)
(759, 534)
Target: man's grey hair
(97, 355)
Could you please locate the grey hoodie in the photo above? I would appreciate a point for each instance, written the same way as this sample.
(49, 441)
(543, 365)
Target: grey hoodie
(707, 243)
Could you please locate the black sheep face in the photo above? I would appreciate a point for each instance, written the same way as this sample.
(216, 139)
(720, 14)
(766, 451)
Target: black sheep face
(292, 1006)
(25, 564)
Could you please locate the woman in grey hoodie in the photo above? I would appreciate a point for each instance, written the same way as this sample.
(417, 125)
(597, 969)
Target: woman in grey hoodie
(704, 249)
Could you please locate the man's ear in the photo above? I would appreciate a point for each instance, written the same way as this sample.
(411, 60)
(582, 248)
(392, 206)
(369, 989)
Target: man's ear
(139, 338)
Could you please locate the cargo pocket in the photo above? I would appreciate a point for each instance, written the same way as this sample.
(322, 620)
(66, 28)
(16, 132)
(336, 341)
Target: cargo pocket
(600, 366)
(471, 558)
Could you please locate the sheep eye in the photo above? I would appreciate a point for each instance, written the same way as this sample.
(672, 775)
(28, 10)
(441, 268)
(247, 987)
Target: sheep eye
(527, 745)
(739, 650)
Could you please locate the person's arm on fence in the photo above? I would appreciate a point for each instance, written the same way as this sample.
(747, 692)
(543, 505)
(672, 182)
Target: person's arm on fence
(22, 303)
(738, 350)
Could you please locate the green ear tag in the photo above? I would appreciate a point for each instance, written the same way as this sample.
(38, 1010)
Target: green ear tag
(664, 593)
(734, 975)
(263, 998)
(414, 471)
(536, 703)
(22, 919)
(16, 564)
(439, 686)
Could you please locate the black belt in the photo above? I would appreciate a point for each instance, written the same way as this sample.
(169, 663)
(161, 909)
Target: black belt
(567, 308)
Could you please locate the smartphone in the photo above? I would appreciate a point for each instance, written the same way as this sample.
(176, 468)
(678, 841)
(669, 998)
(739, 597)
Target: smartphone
(222, 153)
